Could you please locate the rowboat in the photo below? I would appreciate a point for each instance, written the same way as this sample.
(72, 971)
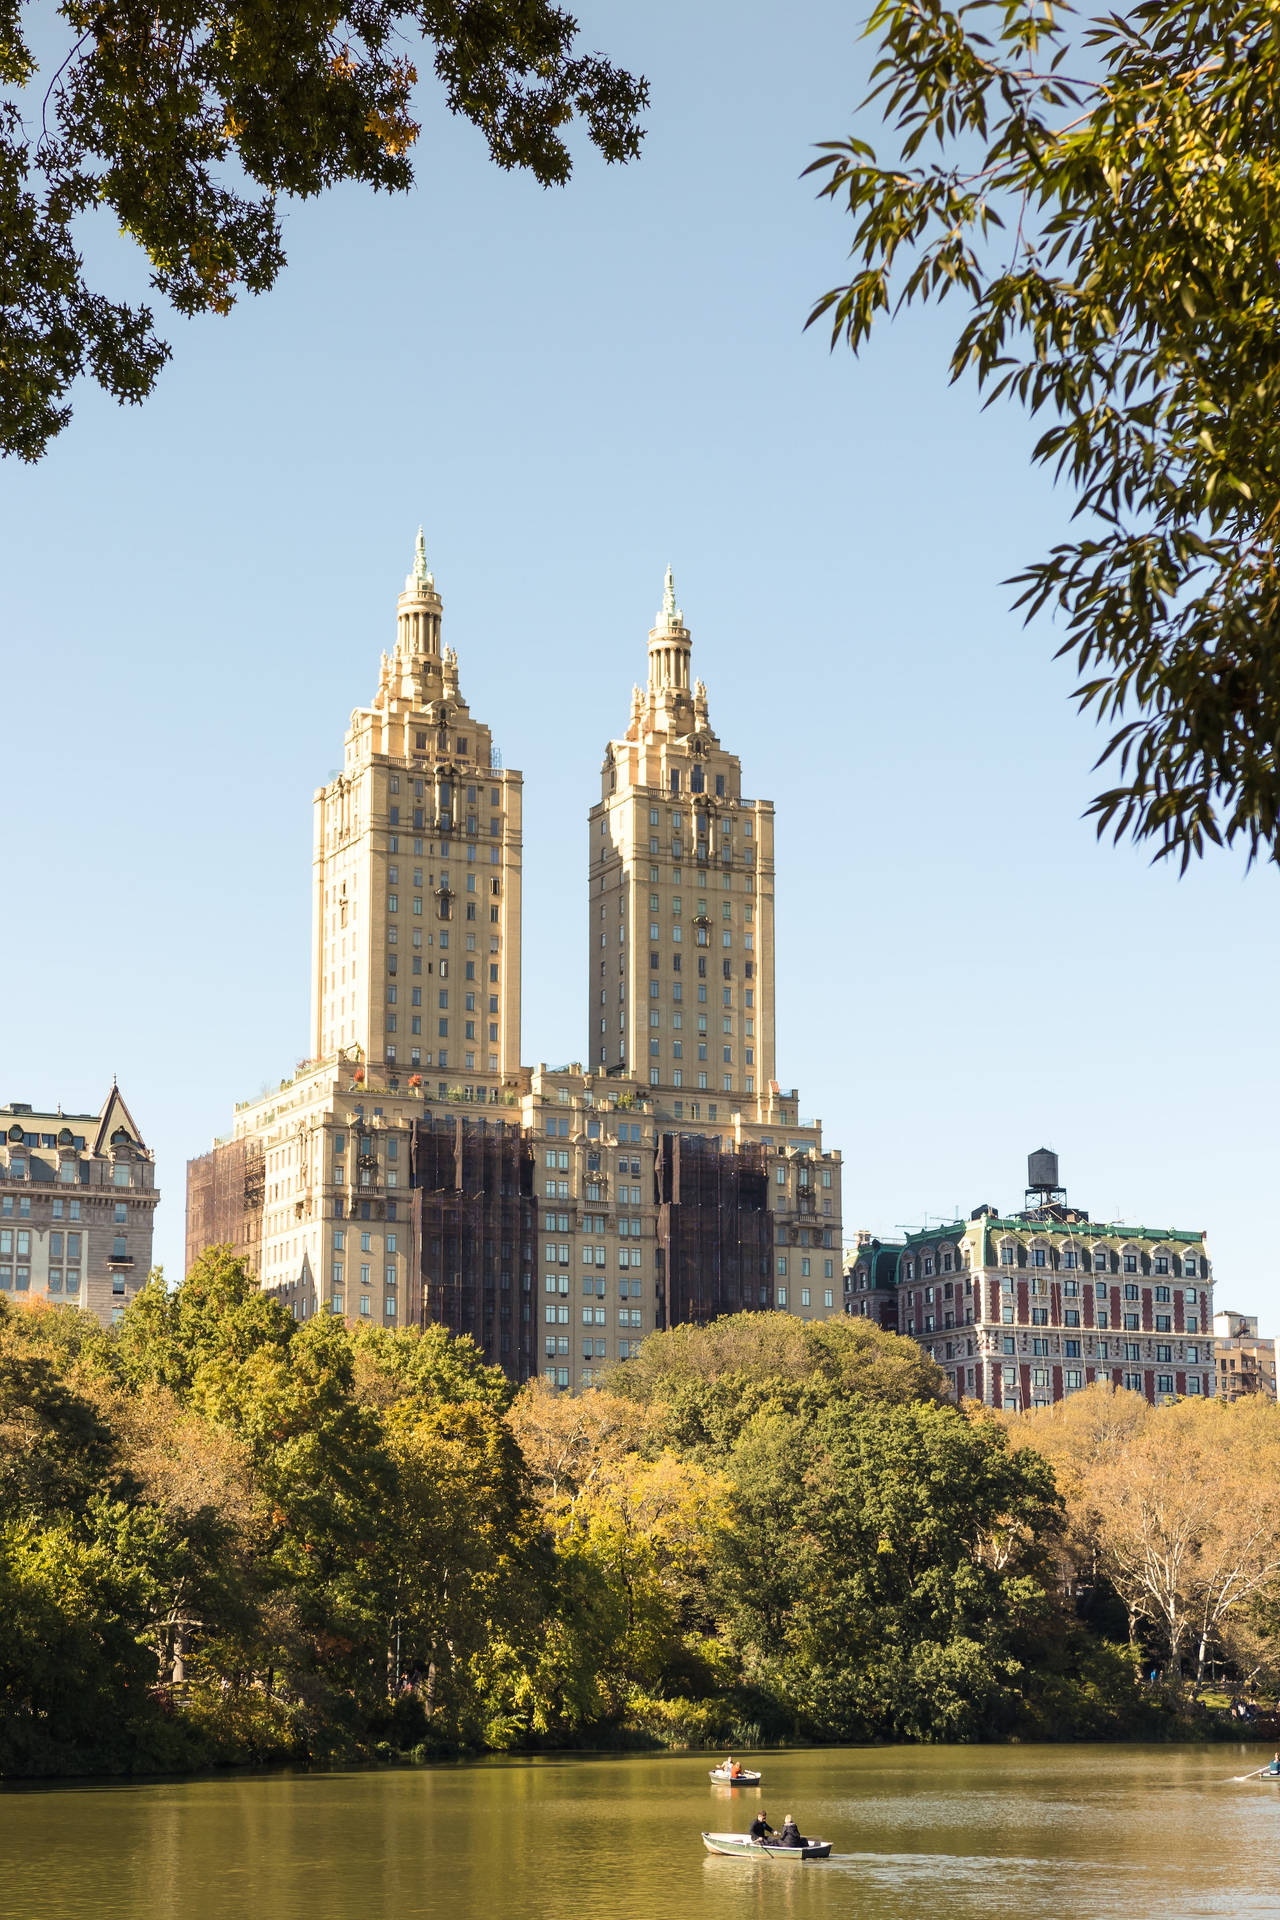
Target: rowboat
(743, 1777)
(741, 1845)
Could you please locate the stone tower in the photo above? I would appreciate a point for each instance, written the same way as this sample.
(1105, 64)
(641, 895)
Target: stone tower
(681, 986)
(416, 872)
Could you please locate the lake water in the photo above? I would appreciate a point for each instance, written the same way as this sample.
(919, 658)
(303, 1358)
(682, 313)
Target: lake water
(920, 1834)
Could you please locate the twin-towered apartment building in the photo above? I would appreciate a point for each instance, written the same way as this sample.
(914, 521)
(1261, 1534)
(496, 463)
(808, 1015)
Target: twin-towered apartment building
(413, 1170)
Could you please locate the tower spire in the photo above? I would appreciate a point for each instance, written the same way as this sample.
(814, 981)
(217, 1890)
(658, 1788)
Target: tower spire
(420, 579)
(670, 615)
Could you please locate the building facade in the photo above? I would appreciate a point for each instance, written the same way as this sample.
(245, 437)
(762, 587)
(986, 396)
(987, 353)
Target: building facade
(1246, 1361)
(77, 1207)
(1021, 1309)
(413, 1171)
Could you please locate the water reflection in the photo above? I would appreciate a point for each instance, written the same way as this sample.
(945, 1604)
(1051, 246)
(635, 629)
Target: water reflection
(919, 1834)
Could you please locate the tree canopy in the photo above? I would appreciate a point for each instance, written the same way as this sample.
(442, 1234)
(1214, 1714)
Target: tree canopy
(227, 1535)
(1098, 193)
(191, 119)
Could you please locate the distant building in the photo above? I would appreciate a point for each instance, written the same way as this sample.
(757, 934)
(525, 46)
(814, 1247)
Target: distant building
(1021, 1309)
(77, 1206)
(871, 1280)
(413, 1171)
(1246, 1362)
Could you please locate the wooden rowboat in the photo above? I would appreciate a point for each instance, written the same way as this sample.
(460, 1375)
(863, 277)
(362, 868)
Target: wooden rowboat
(742, 1846)
(743, 1778)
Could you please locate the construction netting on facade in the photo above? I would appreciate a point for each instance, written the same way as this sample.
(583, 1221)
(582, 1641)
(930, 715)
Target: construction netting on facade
(476, 1230)
(715, 1229)
(225, 1193)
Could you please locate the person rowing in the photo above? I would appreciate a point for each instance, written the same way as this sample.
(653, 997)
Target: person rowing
(760, 1829)
(733, 1768)
(1274, 1767)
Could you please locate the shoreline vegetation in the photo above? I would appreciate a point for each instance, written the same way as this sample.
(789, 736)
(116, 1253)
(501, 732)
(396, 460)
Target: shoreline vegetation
(228, 1538)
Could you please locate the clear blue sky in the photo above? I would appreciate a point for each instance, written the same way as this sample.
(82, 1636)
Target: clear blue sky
(570, 389)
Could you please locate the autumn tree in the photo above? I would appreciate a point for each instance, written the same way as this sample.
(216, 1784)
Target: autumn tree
(1095, 192)
(81, 1558)
(700, 1385)
(1179, 1507)
(192, 124)
(635, 1531)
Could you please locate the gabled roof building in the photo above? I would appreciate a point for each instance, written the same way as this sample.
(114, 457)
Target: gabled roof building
(77, 1206)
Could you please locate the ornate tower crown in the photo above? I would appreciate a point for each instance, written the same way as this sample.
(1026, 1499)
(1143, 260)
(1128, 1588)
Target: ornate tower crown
(669, 645)
(419, 613)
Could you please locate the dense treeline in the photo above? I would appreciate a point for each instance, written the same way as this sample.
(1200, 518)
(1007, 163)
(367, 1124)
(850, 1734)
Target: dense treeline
(227, 1536)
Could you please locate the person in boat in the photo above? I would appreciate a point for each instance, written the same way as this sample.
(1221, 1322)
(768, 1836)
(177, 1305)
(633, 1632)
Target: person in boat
(791, 1835)
(760, 1828)
(733, 1768)
(1275, 1765)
